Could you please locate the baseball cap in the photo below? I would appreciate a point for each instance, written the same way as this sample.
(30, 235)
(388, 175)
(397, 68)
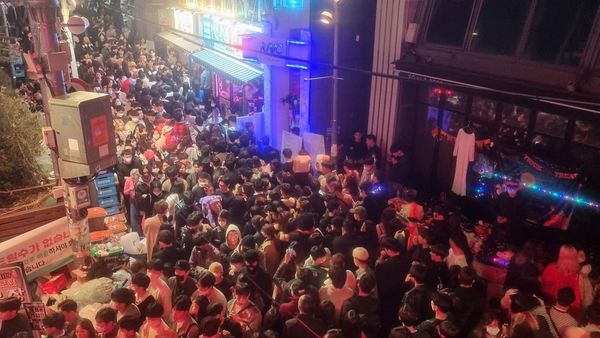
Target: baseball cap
(298, 288)
(182, 264)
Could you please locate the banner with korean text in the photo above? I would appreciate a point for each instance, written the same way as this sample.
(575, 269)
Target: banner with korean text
(41, 250)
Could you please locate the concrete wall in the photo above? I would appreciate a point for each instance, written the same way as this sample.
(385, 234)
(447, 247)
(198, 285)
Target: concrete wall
(390, 25)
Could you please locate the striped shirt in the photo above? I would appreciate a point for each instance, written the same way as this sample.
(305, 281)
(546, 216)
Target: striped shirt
(561, 319)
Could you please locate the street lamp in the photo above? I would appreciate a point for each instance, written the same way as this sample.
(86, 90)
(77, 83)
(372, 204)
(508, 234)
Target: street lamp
(327, 17)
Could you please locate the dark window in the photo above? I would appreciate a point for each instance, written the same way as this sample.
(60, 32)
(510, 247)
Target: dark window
(483, 109)
(452, 122)
(515, 116)
(511, 137)
(499, 26)
(584, 154)
(432, 116)
(449, 22)
(455, 100)
(548, 147)
(550, 124)
(587, 133)
(560, 30)
(431, 95)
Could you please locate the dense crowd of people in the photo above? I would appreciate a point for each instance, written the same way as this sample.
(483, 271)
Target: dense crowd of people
(244, 243)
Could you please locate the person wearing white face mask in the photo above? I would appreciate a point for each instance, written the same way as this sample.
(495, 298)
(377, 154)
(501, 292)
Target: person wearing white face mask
(490, 326)
(127, 162)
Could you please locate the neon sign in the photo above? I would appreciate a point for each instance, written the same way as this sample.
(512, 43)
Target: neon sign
(223, 33)
(273, 48)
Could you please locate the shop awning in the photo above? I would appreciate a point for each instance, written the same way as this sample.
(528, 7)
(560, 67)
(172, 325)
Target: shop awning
(494, 85)
(236, 70)
(179, 41)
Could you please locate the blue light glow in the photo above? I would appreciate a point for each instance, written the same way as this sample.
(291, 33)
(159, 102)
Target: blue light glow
(296, 66)
(291, 4)
(298, 42)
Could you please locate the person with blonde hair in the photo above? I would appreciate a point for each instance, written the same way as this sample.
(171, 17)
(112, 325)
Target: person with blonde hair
(222, 282)
(563, 272)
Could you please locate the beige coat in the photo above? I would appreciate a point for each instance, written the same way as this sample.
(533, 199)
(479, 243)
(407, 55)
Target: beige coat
(151, 229)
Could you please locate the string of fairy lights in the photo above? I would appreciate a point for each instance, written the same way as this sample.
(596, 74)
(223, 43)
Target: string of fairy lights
(481, 187)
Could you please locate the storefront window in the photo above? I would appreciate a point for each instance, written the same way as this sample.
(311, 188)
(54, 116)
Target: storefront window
(551, 124)
(584, 154)
(455, 100)
(499, 26)
(587, 133)
(515, 116)
(452, 122)
(482, 131)
(548, 147)
(560, 30)
(449, 22)
(512, 137)
(483, 109)
(432, 117)
(223, 87)
(431, 95)
(240, 99)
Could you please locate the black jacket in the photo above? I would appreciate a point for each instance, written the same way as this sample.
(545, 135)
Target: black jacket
(295, 329)
(390, 275)
(367, 309)
(15, 325)
(419, 299)
(170, 255)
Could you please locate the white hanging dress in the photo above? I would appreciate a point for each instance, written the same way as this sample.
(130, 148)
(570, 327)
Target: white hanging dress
(464, 151)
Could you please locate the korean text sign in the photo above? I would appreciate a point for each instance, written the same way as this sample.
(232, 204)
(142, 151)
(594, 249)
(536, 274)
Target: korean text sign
(40, 250)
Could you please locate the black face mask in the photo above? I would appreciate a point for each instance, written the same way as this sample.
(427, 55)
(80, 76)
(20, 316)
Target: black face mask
(180, 279)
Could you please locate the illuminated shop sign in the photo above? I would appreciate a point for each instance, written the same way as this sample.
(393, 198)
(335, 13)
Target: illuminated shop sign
(276, 52)
(224, 34)
(268, 51)
(184, 21)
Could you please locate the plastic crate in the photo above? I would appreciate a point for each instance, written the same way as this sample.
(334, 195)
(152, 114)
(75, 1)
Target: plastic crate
(107, 191)
(107, 202)
(105, 181)
(113, 210)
